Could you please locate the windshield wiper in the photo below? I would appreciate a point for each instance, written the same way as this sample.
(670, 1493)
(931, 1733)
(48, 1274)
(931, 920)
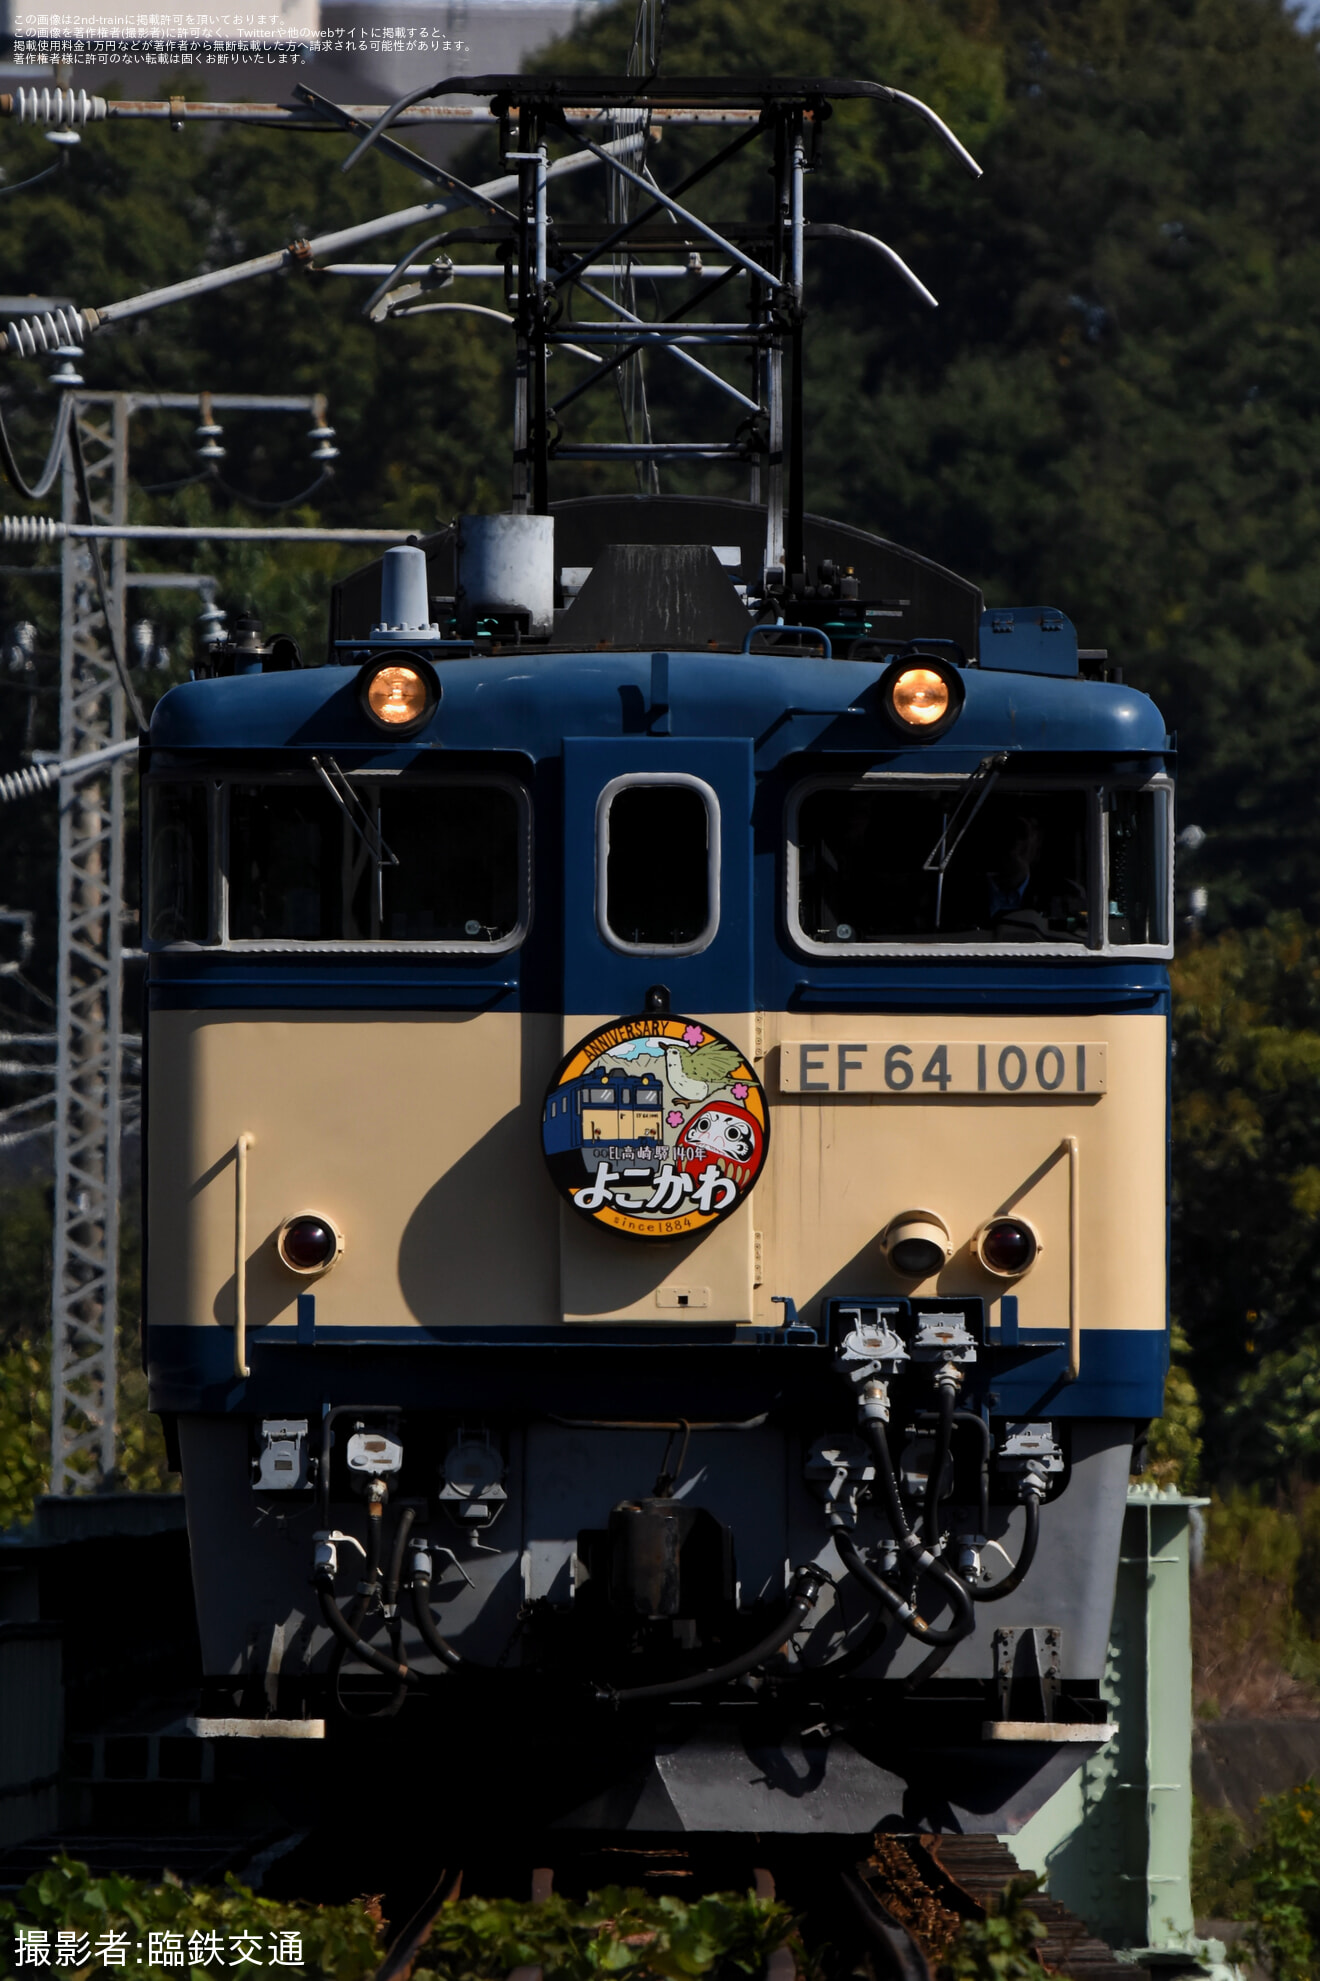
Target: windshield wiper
(351, 805)
(970, 800)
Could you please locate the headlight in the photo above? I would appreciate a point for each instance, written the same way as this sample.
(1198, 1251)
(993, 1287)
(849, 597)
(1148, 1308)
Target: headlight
(310, 1242)
(1007, 1246)
(916, 1244)
(922, 696)
(399, 691)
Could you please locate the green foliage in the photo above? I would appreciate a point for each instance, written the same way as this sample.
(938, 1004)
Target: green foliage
(617, 1932)
(1272, 1881)
(1220, 1889)
(1284, 1870)
(1001, 1947)
(1173, 1447)
(1246, 1198)
(24, 1430)
(1256, 1603)
(24, 1264)
(337, 1941)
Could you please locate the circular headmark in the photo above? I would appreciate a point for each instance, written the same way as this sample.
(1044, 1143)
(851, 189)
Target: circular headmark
(655, 1126)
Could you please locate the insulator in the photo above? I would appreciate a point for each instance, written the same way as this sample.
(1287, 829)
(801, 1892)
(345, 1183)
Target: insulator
(31, 529)
(29, 336)
(61, 107)
(26, 783)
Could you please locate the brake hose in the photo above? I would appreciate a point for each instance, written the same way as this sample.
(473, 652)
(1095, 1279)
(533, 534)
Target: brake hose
(977, 1423)
(343, 1629)
(930, 1512)
(915, 1624)
(807, 1584)
(421, 1595)
(909, 1543)
(1033, 1491)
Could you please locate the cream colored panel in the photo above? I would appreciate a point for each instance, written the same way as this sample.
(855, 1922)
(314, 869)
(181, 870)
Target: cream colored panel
(840, 1167)
(607, 1277)
(419, 1134)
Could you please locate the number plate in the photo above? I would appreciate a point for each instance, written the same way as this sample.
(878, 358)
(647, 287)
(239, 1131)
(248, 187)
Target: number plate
(933, 1066)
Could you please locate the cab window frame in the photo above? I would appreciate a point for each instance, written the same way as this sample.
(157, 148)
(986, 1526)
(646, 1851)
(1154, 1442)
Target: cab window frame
(644, 779)
(220, 787)
(1094, 785)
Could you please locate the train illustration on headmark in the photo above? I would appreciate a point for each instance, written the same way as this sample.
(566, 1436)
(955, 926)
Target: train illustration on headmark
(657, 1092)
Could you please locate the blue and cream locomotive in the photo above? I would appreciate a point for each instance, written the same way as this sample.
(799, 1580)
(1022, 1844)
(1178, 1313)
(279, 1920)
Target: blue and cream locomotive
(656, 1139)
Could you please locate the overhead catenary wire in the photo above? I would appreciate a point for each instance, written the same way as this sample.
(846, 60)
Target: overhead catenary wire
(285, 502)
(37, 490)
(35, 180)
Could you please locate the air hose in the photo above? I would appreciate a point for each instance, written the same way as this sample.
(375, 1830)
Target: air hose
(873, 1430)
(915, 1625)
(1033, 1491)
(807, 1584)
(345, 1628)
(930, 1512)
(977, 1423)
(421, 1595)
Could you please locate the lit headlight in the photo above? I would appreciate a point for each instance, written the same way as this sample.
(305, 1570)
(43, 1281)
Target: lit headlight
(399, 691)
(922, 696)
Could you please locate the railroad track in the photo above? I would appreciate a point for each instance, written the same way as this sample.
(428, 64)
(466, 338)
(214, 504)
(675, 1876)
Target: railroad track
(894, 1912)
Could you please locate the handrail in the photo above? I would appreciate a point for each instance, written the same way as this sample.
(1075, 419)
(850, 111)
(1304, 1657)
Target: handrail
(241, 1147)
(1074, 1369)
(815, 632)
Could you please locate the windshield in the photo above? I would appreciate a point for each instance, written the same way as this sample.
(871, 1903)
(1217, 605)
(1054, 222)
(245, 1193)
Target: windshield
(297, 869)
(890, 863)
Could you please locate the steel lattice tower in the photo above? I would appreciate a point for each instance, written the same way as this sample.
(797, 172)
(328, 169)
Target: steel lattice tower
(91, 905)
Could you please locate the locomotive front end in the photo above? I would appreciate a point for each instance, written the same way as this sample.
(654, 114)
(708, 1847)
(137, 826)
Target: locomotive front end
(669, 1212)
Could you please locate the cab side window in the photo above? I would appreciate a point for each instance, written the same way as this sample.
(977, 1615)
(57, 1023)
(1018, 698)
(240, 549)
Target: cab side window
(657, 864)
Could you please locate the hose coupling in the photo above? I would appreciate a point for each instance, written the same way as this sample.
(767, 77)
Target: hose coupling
(949, 1377)
(420, 1564)
(1034, 1484)
(808, 1581)
(912, 1544)
(873, 1403)
(325, 1553)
